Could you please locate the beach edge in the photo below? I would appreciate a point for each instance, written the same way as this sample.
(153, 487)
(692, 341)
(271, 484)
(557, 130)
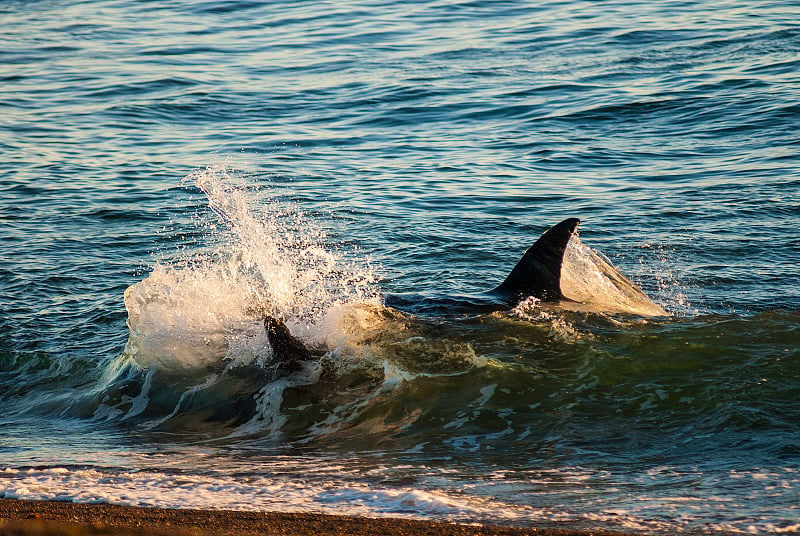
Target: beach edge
(53, 518)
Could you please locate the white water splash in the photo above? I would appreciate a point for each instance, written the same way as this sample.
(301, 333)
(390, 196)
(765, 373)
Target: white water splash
(204, 310)
(265, 258)
(596, 285)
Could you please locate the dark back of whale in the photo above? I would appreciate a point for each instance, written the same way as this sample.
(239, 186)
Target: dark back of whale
(537, 274)
(288, 350)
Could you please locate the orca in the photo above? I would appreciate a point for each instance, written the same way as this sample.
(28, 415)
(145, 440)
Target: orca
(536, 275)
(289, 350)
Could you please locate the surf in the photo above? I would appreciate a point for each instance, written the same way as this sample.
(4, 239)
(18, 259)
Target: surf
(197, 321)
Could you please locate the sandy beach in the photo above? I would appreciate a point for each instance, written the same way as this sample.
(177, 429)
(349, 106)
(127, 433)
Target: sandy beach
(33, 518)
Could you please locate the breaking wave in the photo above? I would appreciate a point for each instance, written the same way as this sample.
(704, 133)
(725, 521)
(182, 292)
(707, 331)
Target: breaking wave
(197, 342)
(198, 358)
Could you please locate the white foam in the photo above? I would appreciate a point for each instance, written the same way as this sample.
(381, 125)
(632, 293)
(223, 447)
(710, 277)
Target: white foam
(327, 485)
(263, 257)
(219, 491)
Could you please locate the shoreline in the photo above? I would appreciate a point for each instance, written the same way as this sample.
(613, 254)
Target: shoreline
(38, 518)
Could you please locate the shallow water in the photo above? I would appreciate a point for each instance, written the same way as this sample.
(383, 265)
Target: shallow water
(170, 173)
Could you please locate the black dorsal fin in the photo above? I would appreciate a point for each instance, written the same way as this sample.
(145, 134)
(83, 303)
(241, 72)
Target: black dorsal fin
(538, 272)
(287, 349)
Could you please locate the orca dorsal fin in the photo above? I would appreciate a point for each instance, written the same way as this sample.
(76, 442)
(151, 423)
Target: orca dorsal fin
(288, 351)
(538, 272)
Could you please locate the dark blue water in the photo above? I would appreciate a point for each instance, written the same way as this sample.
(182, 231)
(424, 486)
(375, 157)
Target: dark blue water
(321, 160)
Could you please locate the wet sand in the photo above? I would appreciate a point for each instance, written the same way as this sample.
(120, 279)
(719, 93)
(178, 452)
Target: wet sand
(35, 518)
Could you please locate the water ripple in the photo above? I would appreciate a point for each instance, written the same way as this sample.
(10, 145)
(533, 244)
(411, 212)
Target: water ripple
(437, 138)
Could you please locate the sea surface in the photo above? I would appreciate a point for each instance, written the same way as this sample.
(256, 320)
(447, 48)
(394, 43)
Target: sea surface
(173, 172)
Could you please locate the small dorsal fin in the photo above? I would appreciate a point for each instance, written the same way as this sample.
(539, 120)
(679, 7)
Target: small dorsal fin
(538, 272)
(287, 349)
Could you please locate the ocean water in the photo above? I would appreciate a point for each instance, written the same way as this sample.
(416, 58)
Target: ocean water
(172, 172)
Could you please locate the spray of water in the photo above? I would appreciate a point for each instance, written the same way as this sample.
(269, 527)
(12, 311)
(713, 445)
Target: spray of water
(265, 258)
(198, 319)
(592, 281)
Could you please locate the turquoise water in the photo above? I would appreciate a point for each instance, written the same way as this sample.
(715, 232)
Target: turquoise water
(322, 161)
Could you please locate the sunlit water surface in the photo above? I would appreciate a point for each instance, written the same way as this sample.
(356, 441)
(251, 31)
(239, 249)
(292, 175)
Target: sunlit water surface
(171, 172)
